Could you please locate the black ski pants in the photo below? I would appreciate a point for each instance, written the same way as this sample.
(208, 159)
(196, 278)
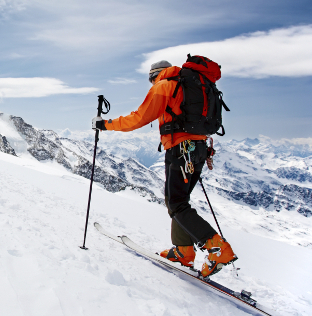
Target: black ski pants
(187, 226)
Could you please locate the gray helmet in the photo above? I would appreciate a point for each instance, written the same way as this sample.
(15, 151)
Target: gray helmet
(156, 68)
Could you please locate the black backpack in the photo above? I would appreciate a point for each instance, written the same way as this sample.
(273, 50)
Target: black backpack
(202, 101)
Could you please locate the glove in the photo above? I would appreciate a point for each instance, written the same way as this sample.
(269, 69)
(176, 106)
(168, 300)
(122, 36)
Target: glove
(98, 123)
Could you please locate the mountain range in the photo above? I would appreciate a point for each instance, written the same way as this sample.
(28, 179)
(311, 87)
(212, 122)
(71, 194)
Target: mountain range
(261, 176)
(274, 175)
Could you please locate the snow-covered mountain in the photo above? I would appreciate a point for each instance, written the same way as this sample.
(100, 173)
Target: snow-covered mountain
(115, 174)
(44, 190)
(259, 173)
(272, 179)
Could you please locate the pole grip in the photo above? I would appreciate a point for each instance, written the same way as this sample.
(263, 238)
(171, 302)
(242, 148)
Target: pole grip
(100, 106)
(100, 109)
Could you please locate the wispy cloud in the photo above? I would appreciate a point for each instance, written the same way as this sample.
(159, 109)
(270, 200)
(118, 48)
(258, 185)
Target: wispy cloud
(285, 52)
(15, 56)
(122, 81)
(114, 25)
(9, 6)
(85, 26)
(37, 87)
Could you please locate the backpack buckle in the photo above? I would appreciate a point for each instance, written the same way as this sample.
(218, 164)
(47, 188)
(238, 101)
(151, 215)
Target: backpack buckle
(167, 128)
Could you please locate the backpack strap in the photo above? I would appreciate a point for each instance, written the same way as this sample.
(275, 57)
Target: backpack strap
(208, 84)
(174, 126)
(223, 131)
(159, 147)
(176, 78)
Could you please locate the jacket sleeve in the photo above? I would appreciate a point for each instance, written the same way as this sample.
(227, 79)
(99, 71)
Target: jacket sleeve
(152, 108)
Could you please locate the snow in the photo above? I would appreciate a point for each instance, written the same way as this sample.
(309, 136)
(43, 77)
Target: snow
(14, 138)
(43, 271)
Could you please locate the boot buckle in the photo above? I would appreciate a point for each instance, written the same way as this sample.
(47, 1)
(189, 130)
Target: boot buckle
(215, 250)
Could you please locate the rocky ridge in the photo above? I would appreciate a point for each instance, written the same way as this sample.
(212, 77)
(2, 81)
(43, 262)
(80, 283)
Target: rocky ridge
(5, 146)
(113, 173)
(256, 173)
(259, 174)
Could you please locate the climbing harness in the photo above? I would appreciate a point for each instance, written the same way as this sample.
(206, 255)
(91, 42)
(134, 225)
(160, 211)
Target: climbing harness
(186, 150)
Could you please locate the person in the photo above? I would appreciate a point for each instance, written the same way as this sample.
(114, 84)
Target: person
(187, 227)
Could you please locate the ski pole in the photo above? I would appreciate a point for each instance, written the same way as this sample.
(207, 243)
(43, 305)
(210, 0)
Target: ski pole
(101, 100)
(201, 182)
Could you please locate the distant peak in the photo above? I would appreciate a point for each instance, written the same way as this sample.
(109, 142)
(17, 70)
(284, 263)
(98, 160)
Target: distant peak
(251, 142)
(66, 133)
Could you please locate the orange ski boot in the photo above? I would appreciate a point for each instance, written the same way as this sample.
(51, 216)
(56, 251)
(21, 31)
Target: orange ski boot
(183, 254)
(220, 254)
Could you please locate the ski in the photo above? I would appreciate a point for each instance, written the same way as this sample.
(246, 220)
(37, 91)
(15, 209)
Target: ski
(242, 300)
(106, 233)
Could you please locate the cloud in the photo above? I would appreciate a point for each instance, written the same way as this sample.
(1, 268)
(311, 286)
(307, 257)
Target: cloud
(87, 26)
(104, 24)
(122, 81)
(285, 52)
(10, 6)
(15, 56)
(37, 87)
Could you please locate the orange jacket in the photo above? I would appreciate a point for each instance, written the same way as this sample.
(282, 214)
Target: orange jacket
(153, 107)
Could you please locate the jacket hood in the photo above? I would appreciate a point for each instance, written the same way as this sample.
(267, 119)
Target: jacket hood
(168, 72)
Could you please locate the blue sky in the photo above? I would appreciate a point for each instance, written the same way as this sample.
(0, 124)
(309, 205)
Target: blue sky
(57, 56)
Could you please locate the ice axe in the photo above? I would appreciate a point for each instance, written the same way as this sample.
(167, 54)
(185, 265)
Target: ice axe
(101, 100)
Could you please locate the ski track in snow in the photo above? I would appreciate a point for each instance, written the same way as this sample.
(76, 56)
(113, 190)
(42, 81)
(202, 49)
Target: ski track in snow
(43, 271)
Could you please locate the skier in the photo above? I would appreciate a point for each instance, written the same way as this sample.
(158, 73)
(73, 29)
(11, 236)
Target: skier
(187, 228)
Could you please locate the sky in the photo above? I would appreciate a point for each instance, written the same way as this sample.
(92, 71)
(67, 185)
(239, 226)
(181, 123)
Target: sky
(56, 57)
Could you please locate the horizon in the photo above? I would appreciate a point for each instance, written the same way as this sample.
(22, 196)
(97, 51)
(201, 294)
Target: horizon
(76, 134)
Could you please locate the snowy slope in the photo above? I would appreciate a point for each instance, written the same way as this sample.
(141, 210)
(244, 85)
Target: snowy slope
(44, 272)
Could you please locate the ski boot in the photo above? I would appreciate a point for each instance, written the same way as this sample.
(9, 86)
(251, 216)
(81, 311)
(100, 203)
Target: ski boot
(183, 254)
(220, 254)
